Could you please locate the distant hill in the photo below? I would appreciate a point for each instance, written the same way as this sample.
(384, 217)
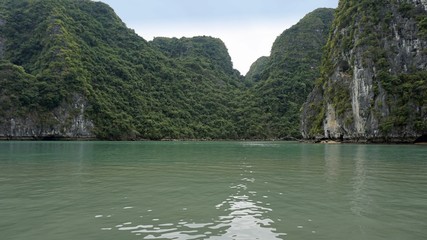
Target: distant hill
(282, 82)
(256, 70)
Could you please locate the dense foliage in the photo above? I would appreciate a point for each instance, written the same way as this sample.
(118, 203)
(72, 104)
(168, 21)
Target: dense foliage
(53, 50)
(283, 81)
(254, 74)
(135, 89)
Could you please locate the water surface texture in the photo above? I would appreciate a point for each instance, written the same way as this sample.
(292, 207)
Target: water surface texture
(211, 190)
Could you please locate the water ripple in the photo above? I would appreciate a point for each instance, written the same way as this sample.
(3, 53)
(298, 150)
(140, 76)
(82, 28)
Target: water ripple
(244, 218)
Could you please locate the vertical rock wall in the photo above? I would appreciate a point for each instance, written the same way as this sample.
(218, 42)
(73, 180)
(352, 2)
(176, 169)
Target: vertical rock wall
(68, 121)
(386, 53)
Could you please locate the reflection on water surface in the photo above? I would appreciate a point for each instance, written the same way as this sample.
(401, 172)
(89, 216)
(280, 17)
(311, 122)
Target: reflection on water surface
(214, 190)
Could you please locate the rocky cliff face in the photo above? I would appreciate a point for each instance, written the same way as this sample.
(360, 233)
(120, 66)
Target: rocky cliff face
(20, 118)
(374, 80)
(68, 121)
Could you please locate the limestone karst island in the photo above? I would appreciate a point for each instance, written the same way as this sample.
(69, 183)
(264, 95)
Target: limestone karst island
(110, 134)
(73, 70)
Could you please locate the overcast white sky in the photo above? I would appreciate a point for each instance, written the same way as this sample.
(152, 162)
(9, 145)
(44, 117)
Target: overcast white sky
(247, 27)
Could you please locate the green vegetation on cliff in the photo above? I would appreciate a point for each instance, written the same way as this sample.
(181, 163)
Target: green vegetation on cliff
(73, 68)
(134, 89)
(254, 74)
(56, 51)
(282, 82)
(68, 65)
(373, 74)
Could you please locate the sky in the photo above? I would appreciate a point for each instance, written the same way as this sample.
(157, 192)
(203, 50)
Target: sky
(247, 27)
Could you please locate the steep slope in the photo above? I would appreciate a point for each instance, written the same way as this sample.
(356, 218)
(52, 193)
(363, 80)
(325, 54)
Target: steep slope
(373, 83)
(283, 80)
(36, 64)
(88, 75)
(256, 70)
(207, 50)
(212, 95)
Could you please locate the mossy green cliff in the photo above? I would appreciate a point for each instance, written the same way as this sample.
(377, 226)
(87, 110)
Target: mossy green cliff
(373, 83)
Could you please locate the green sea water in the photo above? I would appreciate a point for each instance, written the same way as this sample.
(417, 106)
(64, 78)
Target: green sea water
(211, 190)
